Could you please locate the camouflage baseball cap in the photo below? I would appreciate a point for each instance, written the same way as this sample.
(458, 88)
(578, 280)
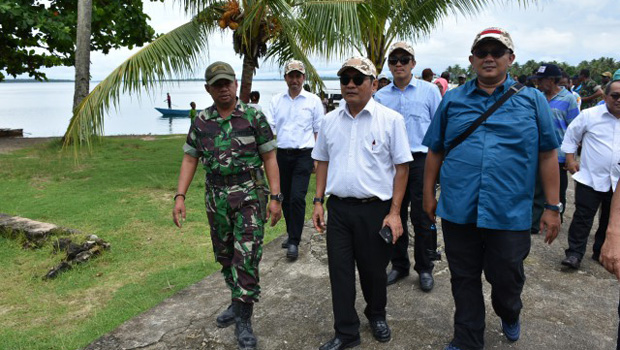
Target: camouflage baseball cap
(294, 65)
(219, 70)
(494, 33)
(361, 64)
(401, 45)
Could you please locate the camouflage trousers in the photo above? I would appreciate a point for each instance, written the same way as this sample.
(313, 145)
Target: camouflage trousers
(237, 218)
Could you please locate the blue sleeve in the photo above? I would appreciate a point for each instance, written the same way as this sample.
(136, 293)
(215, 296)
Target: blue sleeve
(435, 135)
(547, 135)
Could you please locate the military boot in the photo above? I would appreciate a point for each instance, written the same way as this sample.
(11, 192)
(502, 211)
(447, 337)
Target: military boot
(226, 318)
(243, 325)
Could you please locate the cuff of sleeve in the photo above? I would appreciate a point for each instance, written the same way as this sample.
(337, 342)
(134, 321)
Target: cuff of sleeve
(267, 146)
(191, 151)
(569, 149)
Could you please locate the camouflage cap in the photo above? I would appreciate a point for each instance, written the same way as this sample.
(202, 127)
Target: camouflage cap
(401, 45)
(606, 74)
(294, 65)
(219, 70)
(494, 33)
(361, 64)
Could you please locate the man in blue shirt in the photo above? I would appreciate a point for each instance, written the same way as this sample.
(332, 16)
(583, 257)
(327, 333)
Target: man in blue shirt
(564, 110)
(487, 185)
(416, 100)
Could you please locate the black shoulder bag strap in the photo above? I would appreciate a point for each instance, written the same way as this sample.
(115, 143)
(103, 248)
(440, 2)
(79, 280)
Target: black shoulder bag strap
(513, 90)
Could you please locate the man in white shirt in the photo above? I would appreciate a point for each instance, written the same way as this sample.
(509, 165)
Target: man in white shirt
(598, 130)
(363, 154)
(416, 100)
(295, 116)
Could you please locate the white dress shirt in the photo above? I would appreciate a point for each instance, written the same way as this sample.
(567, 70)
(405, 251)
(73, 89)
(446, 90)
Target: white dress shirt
(295, 120)
(599, 133)
(417, 104)
(362, 151)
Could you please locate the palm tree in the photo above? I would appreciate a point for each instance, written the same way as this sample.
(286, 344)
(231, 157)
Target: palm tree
(261, 28)
(371, 26)
(82, 51)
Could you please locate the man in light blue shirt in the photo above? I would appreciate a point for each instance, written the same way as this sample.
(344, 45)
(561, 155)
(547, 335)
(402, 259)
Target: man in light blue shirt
(487, 186)
(416, 100)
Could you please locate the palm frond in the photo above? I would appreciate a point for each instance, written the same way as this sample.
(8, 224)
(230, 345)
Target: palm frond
(174, 53)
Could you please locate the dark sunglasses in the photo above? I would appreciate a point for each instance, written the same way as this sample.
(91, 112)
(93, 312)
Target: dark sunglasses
(403, 60)
(496, 52)
(357, 79)
(615, 96)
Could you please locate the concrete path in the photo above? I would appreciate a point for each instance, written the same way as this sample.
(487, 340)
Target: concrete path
(562, 309)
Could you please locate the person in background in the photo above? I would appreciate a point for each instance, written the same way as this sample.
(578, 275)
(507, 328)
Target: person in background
(564, 110)
(462, 78)
(363, 157)
(442, 84)
(427, 74)
(565, 82)
(383, 81)
(487, 185)
(416, 100)
(588, 89)
(168, 100)
(254, 99)
(295, 116)
(192, 112)
(596, 175)
(235, 191)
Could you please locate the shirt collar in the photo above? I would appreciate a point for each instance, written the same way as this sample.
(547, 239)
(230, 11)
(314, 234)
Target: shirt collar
(472, 85)
(212, 113)
(413, 83)
(370, 107)
(303, 93)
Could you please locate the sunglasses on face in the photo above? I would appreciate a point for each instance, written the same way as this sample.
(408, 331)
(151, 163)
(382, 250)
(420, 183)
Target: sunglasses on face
(496, 52)
(357, 79)
(615, 96)
(403, 60)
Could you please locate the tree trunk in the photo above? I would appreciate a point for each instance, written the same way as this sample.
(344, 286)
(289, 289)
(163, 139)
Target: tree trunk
(82, 51)
(247, 75)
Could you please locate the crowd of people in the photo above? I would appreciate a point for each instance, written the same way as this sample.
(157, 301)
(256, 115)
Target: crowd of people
(500, 147)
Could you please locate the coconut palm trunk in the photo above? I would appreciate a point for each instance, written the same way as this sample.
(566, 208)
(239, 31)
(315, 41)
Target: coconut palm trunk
(247, 75)
(82, 52)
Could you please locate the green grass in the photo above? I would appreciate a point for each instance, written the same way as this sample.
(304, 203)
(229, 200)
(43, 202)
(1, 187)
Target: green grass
(123, 193)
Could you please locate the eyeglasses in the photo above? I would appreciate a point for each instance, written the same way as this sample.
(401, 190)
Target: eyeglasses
(357, 79)
(496, 52)
(402, 59)
(614, 96)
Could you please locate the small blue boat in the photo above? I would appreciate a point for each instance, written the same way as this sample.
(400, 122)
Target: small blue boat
(171, 112)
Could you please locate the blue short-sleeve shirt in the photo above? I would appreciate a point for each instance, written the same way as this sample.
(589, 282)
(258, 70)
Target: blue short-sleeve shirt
(489, 178)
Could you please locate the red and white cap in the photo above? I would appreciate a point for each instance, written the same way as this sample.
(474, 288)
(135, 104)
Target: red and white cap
(494, 33)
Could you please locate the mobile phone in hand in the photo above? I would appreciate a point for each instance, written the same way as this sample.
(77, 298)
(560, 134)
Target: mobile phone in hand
(386, 234)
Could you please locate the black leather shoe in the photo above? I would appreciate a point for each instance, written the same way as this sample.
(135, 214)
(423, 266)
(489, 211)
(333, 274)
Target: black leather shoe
(292, 252)
(337, 344)
(434, 255)
(426, 281)
(285, 243)
(381, 331)
(571, 261)
(395, 276)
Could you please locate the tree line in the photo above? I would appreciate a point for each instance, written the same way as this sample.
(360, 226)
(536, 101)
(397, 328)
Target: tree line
(596, 67)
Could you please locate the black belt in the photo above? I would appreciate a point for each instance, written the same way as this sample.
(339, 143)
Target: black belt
(231, 180)
(356, 200)
(294, 151)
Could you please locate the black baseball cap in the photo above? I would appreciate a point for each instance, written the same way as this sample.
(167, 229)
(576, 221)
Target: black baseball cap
(547, 70)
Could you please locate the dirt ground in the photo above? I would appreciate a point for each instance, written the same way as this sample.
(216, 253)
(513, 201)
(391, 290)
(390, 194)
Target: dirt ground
(10, 144)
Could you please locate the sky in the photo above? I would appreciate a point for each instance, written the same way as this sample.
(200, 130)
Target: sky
(563, 30)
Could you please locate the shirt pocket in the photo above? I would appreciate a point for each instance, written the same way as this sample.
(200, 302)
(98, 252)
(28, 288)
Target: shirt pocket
(374, 145)
(303, 118)
(243, 142)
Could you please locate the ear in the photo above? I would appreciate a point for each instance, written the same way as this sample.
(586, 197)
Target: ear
(207, 87)
(471, 59)
(413, 64)
(375, 84)
(511, 59)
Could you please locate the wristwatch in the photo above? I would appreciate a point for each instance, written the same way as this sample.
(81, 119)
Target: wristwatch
(318, 200)
(277, 197)
(557, 207)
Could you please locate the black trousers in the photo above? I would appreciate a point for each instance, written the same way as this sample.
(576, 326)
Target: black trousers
(587, 201)
(539, 198)
(425, 235)
(295, 169)
(353, 239)
(470, 251)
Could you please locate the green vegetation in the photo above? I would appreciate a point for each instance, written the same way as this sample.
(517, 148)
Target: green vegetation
(123, 193)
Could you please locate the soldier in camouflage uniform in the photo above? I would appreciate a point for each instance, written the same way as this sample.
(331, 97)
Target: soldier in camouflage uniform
(232, 141)
(589, 90)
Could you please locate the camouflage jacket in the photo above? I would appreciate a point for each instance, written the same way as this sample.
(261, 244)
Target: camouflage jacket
(229, 146)
(588, 88)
